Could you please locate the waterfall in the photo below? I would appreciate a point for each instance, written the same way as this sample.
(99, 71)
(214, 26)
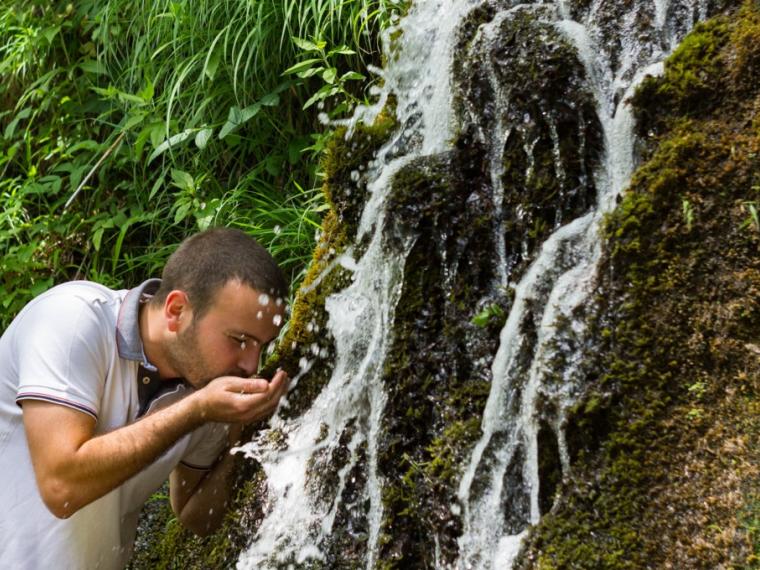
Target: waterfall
(498, 495)
(360, 316)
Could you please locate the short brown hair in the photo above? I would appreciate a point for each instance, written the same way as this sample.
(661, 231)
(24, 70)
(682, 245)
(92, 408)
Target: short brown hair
(206, 261)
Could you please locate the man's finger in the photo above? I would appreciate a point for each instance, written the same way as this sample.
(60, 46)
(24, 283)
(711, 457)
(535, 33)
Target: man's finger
(249, 385)
(280, 378)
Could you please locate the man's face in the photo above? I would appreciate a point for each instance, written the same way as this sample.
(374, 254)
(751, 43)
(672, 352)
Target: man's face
(229, 338)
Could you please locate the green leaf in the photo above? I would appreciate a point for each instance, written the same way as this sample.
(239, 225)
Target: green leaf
(212, 64)
(156, 186)
(237, 117)
(182, 180)
(301, 66)
(147, 92)
(306, 45)
(273, 164)
(129, 98)
(320, 95)
(329, 75)
(92, 66)
(54, 182)
(50, 33)
(182, 212)
(484, 317)
(157, 133)
(108, 93)
(310, 72)
(342, 50)
(171, 142)
(202, 138)
(270, 100)
(20, 116)
(133, 119)
(41, 286)
(97, 237)
(352, 75)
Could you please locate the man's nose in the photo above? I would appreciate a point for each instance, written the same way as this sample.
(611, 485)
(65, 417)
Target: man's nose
(249, 360)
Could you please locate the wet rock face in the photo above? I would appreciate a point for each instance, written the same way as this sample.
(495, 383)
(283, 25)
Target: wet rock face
(523, 90)
(437, 370)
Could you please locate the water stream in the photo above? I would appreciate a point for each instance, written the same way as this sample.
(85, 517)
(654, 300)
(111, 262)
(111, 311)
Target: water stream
(497, 499)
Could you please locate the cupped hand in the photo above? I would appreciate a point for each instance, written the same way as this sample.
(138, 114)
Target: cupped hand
(231, 399)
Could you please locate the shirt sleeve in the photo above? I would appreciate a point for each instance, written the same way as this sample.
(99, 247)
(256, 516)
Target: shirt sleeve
(62, 351)
(206, 443)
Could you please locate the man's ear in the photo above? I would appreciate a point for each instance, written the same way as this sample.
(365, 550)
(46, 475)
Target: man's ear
(177, 309)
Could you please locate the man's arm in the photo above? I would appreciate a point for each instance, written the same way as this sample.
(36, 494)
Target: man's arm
(201, 498)
(73, 467)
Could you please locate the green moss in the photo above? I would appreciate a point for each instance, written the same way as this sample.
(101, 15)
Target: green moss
(719, 59)
(649, 487)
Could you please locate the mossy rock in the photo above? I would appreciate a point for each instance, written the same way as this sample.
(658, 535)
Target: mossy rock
(666, 440)
(437, 371)
(521, 73)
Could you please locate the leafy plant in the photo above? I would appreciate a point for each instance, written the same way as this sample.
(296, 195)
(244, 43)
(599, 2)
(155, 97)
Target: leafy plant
(688, 213)
(752, 220)
(322, 63)
(126, 125)
(491, 313)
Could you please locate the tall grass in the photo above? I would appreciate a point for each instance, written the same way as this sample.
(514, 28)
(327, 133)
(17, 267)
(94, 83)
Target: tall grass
(128, 124)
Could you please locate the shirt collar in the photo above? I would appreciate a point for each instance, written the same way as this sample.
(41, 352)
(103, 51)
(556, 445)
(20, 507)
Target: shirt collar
(128, 340)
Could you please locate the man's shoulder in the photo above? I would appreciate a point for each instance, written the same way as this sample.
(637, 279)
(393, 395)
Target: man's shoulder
(87, 291)
(72, 304)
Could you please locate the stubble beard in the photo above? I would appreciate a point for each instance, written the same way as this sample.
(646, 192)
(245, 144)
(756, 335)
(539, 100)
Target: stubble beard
(184, 356)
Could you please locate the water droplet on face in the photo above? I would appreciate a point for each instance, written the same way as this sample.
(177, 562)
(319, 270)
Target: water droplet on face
(278, 301)
(242, 345)
(264, 299)
(276, 320)
(260, 315)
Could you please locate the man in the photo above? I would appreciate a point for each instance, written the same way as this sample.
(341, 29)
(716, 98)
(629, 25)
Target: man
(104, 394)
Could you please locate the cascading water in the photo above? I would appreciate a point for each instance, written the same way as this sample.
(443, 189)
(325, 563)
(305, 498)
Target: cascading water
(360, 316)
(548, 258)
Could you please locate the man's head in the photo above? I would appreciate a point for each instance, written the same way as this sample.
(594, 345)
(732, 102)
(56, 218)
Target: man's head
(207, 261)
(222, 298)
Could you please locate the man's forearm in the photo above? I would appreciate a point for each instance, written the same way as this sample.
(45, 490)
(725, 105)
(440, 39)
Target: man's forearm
(202, 511)
(100, 464)
(73, 467)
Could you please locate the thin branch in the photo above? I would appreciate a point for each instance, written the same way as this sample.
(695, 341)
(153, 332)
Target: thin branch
(108, 151)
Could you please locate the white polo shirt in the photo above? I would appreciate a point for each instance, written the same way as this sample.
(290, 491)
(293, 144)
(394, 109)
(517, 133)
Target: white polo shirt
(78, 345)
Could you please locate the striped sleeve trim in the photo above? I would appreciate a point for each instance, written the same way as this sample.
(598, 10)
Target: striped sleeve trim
(196, 467)
(56, 400)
